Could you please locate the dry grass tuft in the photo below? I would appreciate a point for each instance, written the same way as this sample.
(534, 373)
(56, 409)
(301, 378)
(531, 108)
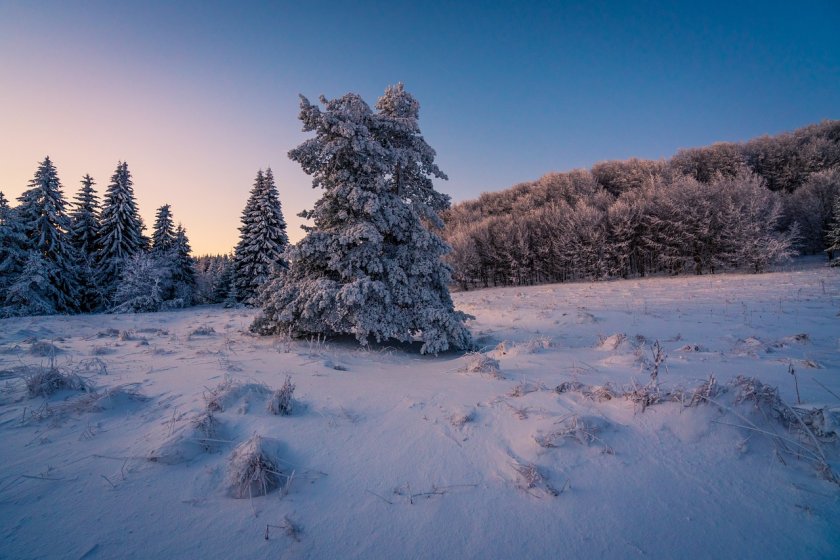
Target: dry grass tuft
(45, 381)
(44, 349)
(478, 362)
(281, 400)
(253, 470)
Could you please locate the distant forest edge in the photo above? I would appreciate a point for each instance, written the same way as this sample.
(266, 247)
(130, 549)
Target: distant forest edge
(727, 206)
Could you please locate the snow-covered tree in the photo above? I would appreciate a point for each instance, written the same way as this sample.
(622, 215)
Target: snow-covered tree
(832, 237)
(84, 234)
(262, 239)
(121, 231)
(183, 267)
(140, 288)
(369, 267)
(13, 246)
(33, 291)
(163, 234)
(84, 219)
(45, 224)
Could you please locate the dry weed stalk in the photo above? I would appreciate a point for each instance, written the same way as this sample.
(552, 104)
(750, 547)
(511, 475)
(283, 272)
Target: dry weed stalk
(281, 400)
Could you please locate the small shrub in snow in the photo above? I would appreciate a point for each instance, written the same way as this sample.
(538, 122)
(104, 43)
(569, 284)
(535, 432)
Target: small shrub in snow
(482, 363)
(253, 469)
(281, 400)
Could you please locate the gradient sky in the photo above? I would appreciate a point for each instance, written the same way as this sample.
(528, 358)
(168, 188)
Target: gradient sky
(197, 96)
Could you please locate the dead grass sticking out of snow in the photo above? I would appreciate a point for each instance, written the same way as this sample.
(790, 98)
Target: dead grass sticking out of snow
(583, 430)
(612, 342)
(281, 400)
(461, 417)
(229, 392)
(532, 481)
(45, 381)
(204, 330)
(478, 362)
(253, 469)
(44, 349)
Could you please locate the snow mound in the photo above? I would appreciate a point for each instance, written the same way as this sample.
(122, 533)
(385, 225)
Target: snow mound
(229, 393)
(617, 341)
(201, 434)
(476, 362)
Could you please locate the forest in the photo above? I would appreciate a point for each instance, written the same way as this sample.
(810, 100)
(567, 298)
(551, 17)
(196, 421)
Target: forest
(728, 206)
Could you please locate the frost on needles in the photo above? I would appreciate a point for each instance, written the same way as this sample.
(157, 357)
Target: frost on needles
(371, 265)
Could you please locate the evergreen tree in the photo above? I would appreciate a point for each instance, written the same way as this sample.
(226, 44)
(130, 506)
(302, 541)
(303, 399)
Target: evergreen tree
(84, 219)
(13, 246)
(84, 234)
(262, 239)
(45, 224)
(33, 291)
(121, 232)
(369, 267)
(163, 234)
(183, 267)
(832, 237)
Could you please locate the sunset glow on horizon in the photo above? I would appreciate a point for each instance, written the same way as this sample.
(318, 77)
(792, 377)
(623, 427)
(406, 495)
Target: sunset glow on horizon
(197, 97)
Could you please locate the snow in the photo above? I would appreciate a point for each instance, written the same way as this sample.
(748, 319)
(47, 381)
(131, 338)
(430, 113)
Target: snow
(388, 453)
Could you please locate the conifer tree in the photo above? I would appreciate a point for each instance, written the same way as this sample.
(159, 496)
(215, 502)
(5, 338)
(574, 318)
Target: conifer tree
(13, 246)
(183, 267)
(44, 223)
(84, 235)
(121, 231)
(163, 234)
(262, 239)
(369, 267)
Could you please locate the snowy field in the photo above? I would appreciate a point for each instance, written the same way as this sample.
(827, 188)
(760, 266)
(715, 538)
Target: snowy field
(560, 448)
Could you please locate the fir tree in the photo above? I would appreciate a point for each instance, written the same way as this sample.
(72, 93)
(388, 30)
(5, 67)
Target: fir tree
(832, 237)
(183, 267)
(369, 267)
(163, 234)
(44, 222)
(121, 232)
(33, 291)
(13, 246)
(262, 239)
(84, 235)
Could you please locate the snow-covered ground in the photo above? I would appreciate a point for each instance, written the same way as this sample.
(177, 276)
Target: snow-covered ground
(563, 453)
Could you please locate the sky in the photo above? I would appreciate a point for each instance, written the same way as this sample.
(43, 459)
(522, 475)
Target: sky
(197, 96)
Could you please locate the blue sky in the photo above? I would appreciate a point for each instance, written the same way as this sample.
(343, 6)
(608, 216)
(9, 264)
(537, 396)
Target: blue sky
(197, 96)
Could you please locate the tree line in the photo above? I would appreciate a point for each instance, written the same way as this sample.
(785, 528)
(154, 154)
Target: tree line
(721, 207)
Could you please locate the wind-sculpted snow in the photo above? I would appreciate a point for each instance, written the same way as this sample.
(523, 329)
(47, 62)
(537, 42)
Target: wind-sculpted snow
(566, 434)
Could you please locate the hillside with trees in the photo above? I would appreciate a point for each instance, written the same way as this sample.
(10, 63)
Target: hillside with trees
(728, 206)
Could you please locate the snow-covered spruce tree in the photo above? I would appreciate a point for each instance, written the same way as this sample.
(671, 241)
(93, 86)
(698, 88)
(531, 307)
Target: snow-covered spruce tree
(262, 239)
(163, 233)
(369, 266)
(84, 233)
(33, 291)
(832, 236)
(182, 268)
(13, 246)
(121, 231)
(44, 222)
